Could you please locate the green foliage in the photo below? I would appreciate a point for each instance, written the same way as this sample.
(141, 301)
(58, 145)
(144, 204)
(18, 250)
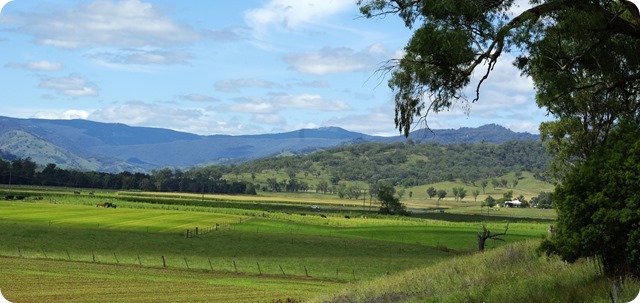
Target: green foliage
(543, 200)
(431, 192)
(407, 165)
(390, 203)
(598, 206)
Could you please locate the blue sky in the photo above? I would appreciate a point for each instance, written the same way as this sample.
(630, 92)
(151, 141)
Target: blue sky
(222, 67)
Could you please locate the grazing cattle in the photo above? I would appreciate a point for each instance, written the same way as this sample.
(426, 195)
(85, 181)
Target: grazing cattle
(100, 205)
(347, 217)
(76, 192)
(303, 214)
(323, 216)
(9, 197)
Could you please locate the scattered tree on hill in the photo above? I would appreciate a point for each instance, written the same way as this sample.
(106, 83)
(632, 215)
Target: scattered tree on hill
(489, 202)
(390, 203)
(504, 183)
(431, 192)
(495, 183)
(462, 193)
(514, 183)
(484, 184)
(475, 193)
(508, 195)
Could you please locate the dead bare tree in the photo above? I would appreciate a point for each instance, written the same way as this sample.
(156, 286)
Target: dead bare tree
(487, 234)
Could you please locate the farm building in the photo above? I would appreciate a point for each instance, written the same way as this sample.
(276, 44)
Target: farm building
(514, 203)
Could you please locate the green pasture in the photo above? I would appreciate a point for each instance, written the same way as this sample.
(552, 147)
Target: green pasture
(269, 243)
(37, 280)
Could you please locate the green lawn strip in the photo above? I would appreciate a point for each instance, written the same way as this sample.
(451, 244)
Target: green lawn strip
(124, 218)
(30, 280)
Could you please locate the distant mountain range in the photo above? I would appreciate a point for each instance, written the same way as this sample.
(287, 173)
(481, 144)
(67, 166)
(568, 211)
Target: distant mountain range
(114, 147)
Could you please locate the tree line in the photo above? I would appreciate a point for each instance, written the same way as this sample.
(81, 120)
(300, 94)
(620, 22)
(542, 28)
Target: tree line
(195, 180)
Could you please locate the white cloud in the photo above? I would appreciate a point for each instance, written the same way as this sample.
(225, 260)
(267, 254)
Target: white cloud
(198, 98)
(309, 102)
(62, 114)
(271, 119)
(198, 121)
(42, 65)
(237, 85)
(377, 121)
(281, 102)
(72, 85)
(143, 57)
(333, 60)
(252, 105)
(127, 23)
(292, 14)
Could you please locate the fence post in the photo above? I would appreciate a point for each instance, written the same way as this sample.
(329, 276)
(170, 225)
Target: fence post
(235, 268)
(117, 261)
(306, 272)
(185, 263)
(45, 253)
(259, 271)
(68, 256)
(196, 230)
(139, 262)
(282, 270)
(210, 266)
(164, 262)
(19, 252)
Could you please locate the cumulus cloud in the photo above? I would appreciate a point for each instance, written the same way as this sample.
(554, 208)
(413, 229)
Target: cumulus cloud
(72, 85)
(377, 121)
(193, 120)
(281, 102)
(42, 65)
(126, 23)
(271, 119)
(143, 57)
(333, 60)
(237, 85)
(291, 14)
(62, 114)
(198, 98)
(230, 34)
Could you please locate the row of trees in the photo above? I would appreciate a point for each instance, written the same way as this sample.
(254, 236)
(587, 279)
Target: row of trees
(196, 180)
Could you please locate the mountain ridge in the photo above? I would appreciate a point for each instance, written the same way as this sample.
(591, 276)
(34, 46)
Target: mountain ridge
(116, 147)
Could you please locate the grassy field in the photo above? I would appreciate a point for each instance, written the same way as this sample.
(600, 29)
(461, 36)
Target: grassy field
(35, 280)
(254, 248)
(512, 273)
(329, 248)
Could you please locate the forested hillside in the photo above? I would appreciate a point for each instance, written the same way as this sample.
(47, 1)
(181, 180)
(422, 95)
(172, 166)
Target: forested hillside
(411, 164)
(398, 163)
